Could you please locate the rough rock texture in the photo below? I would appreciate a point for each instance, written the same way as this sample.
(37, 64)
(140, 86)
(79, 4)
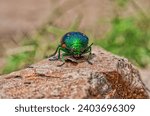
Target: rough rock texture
(110, 76)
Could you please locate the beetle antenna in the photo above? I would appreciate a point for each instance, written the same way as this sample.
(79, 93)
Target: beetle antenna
(91, 45)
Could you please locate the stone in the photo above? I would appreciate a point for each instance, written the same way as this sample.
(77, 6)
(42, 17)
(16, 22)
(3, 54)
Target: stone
(109, 77)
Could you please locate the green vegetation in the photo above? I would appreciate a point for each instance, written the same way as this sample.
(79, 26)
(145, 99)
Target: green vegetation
(18, 61)
(130, 36)
(127, 38)
(122, 3)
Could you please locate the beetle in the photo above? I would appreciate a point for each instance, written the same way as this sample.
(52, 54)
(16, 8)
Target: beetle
(73, 44)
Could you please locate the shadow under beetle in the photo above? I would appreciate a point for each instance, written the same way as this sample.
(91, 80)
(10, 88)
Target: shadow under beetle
(73, 44)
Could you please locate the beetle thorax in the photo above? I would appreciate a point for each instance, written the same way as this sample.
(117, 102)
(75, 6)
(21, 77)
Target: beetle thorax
(75, 43)
(77, 47)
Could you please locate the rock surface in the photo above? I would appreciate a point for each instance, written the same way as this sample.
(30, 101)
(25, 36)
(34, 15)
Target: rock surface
(109, 77)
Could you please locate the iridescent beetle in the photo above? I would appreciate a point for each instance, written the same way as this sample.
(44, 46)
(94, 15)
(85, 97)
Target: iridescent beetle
(73, 44)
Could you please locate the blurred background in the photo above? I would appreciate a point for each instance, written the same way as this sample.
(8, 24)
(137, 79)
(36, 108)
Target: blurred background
(30, 30)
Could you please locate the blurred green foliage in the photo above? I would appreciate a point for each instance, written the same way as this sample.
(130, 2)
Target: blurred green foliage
(18, 61)
(129, 38)
(122, 2)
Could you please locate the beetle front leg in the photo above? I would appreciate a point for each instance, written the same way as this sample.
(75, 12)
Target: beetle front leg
(63, 59)
(52, 57)
(88, 59)
(55, 51)
(88, 50)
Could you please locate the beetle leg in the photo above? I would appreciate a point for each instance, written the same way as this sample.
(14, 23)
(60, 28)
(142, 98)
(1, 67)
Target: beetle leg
(89, 62)
(63, 60)
(51, 57)
(59, 53)
(61, 49)
(88, 50)
(55, 51)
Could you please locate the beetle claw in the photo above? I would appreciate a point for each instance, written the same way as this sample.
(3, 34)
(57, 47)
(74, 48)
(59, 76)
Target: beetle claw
(89, 62)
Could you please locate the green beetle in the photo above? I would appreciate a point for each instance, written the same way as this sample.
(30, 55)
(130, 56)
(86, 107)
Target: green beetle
(73, 44)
